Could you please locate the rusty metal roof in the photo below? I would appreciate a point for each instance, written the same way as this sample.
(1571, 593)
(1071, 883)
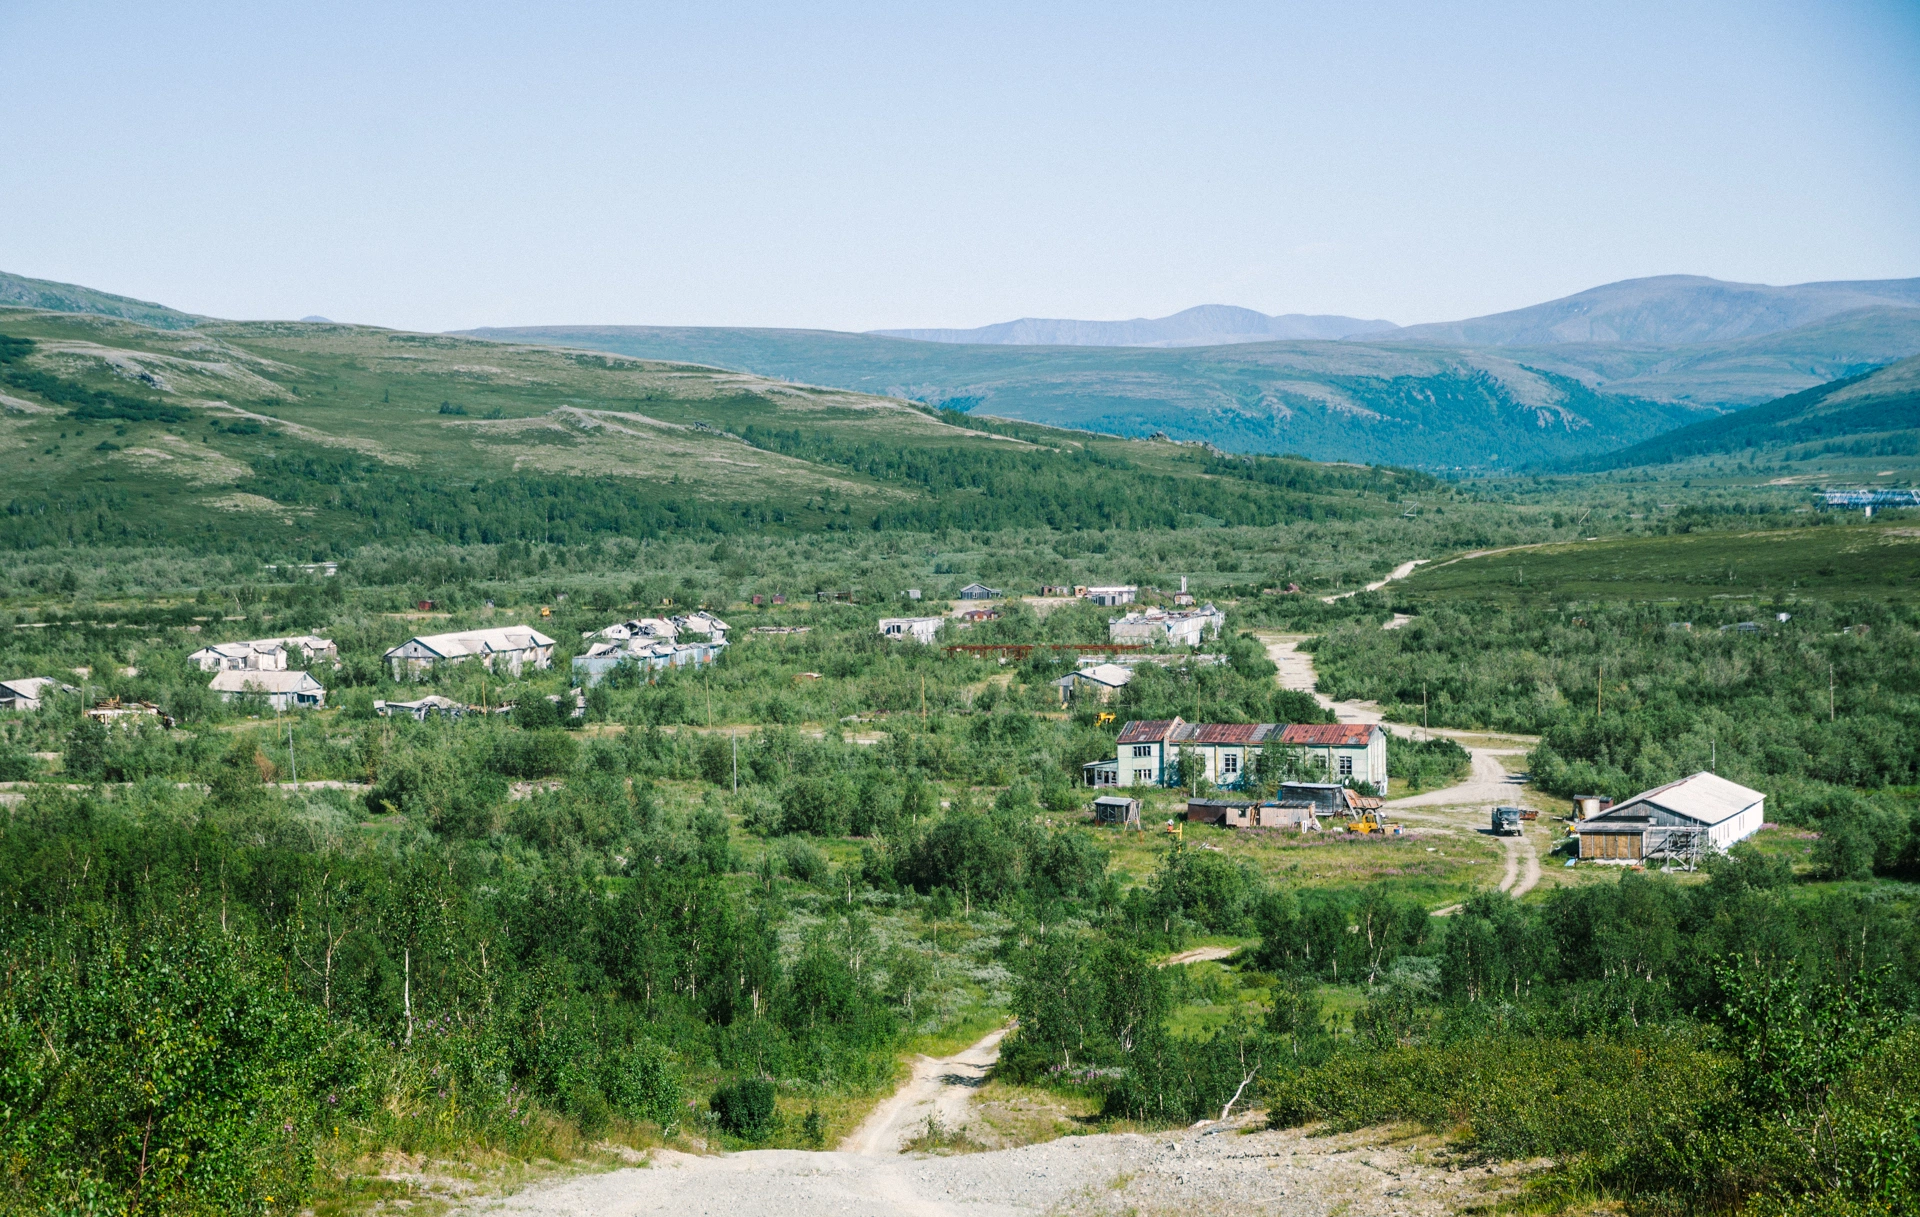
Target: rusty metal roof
(1329, 735)
(1223, 733)
(1148, 731)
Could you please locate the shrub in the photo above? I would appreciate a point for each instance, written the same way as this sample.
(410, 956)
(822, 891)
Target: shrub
(745, 1108)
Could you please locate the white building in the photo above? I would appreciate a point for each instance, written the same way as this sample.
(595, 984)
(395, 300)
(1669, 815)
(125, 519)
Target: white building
(512, 647)
(642, 651)
(1154, 626)
(283, 690)
(1099, 681)
(1108, 597)
(29, 692)
(265, 654)
(920, 629)
(1680, 821)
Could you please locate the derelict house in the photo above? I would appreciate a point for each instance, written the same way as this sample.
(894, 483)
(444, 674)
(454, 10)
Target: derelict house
(512, 647)
(283, 690)
(1679, 823)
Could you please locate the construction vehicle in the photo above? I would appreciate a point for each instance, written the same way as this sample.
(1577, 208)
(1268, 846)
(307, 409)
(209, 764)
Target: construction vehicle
(1369, 823)
(1506, 821)
(1104, 718)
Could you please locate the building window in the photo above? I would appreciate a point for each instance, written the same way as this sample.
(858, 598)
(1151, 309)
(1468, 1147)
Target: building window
(1142, 776)
(1346, 766)
(1230, 763)
(1140, 750)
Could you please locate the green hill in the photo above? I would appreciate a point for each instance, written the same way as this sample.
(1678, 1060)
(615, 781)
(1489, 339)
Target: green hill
(310, 436)
(1875, 413)
(22, 292)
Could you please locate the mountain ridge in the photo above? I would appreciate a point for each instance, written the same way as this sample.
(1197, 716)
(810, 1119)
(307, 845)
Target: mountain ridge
(1202, 325)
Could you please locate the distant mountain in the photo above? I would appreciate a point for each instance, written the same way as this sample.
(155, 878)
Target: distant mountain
(1876, 413)
(1205, 325)
(66, 298)
(1432, 407)
(1667, 310)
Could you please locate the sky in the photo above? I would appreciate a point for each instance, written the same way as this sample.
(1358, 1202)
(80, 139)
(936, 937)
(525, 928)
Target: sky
(859, 166)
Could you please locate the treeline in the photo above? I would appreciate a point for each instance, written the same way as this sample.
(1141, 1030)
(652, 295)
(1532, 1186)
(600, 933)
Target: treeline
(980, 488)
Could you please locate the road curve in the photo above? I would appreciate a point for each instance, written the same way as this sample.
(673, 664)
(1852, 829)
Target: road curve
(939, 1085)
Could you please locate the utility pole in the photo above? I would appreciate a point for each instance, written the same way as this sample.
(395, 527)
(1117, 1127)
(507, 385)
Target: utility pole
(1599, 692)
(923, 699)
(735, 736)
(1830, 692)
(709, 697)
(1424, 729)
(292, 762)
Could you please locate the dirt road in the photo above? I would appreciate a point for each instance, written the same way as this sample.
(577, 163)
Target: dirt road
(939, 1086)
(1465, 805)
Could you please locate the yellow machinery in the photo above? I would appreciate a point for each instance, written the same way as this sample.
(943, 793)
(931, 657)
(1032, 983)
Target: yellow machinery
(1104, 719)
(1175, 828)
(1369, 823)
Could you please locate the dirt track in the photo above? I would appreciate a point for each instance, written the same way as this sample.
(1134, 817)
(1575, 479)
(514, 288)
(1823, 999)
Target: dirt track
(938, 1087)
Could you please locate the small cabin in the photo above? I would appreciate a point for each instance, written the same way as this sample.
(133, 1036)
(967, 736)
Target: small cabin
(1116, 809)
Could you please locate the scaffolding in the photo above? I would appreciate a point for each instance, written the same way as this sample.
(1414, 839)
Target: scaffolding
(1682, 849)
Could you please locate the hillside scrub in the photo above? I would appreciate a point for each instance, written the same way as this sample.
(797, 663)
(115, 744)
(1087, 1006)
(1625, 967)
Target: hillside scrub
(1820, 711)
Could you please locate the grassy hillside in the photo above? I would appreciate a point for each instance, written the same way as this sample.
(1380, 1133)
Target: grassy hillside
(1877, 413)
(121, 433)
(1879, 561)
(21, 292)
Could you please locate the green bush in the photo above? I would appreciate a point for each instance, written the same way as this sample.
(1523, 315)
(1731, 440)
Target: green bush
(745, 1108)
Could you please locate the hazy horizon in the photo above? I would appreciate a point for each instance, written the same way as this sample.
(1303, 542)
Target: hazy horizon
(861, 168)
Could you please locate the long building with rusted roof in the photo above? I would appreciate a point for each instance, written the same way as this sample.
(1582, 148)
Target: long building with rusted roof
(1149, 751)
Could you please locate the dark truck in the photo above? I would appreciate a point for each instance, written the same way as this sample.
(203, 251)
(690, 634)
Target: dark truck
(1506, 821)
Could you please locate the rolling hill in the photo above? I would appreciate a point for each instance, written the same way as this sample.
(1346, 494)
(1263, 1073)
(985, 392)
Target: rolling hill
(311, 438)
(1667, 310)
(1389, 399)
(1873, 414)
(22, 292)
(1205, 325)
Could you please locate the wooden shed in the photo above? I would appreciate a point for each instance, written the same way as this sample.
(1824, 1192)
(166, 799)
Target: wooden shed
(1116, 809)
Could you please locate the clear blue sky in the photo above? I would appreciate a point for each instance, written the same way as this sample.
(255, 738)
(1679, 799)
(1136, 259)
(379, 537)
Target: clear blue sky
(860, 166)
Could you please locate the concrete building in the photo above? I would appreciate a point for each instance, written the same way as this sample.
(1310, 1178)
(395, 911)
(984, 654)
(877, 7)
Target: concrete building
(1156, 626)
(283, 690)
(644, 652)
(1679, 823)
(1108, 597)
(919, 629)
(513, 648)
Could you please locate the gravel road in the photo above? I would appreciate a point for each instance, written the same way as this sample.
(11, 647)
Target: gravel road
(1224, 1169)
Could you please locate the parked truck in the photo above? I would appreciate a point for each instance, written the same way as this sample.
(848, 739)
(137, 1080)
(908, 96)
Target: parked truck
(1506, 821)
